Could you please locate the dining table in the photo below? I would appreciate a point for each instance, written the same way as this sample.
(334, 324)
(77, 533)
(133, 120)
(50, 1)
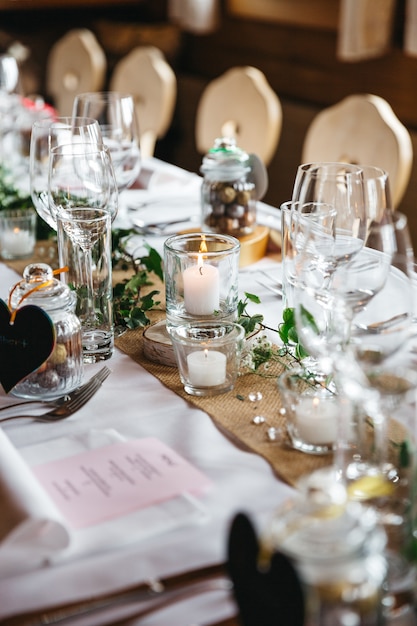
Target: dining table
(53, 563)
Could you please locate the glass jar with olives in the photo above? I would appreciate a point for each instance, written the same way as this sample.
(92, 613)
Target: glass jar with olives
(229, 191)
(62, 371)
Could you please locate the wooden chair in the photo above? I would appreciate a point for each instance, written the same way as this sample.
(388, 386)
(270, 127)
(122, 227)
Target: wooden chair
(240, 104)
(363, 129)
(76, 64)
(146, 74)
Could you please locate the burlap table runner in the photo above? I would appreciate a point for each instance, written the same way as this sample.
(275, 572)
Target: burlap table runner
(233, 412)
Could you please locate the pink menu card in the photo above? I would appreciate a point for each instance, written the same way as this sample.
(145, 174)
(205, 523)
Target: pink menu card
(118, 479)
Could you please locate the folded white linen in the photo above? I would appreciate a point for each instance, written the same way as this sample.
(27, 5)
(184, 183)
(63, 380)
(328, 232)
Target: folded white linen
(31, 527)
(34, 531)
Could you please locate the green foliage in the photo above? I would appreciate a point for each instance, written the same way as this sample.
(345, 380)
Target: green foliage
(130, 306)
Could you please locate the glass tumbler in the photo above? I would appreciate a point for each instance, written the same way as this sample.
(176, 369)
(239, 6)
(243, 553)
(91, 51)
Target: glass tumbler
(208, 356)
(201, 278)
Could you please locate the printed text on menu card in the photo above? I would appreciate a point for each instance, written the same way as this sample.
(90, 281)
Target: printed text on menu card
(115, 480)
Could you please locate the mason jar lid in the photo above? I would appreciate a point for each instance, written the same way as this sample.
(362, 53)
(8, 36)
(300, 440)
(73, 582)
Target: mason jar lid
(225, 161)
(53, 295)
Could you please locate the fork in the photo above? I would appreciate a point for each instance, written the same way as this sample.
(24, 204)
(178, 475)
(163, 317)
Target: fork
(101, 375)
(75, 402)
(159, 228)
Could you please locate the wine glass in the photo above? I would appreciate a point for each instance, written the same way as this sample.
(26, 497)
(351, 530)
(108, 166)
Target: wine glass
(116, 115)
(82, 191)
(47, 134)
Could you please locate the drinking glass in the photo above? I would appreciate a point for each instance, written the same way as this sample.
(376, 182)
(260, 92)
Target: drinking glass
(46, 134)
(338, 184)
(81, 187)
(296, 219)
(116, 115)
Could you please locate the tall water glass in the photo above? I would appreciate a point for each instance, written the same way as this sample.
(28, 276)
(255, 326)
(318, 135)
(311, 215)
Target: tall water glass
(81, 185)
(296, 219)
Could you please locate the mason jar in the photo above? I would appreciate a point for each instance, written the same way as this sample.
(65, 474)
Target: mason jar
(337, 549)
(228, 193)
(62, 371)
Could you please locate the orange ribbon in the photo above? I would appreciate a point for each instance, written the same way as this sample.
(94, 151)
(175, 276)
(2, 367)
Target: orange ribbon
(46, 283)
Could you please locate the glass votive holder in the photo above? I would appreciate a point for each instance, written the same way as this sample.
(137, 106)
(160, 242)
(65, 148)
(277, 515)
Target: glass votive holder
(208, 356)
(311, 409)
(17, 233)
(201, 278)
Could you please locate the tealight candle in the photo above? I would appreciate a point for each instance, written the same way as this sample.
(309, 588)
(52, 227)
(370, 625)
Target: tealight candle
(201, 288)
(208, 355)
(201, 275)
(17, 233)
(17, 242)
(316, 419)
(206, 368)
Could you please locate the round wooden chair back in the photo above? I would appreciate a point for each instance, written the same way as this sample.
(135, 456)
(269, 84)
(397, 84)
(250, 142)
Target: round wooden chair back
(362, 129)
(146, 74)
(76, 64)
(240, 104)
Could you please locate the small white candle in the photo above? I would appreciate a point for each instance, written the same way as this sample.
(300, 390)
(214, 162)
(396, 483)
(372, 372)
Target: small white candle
(206, 368)
(316, 420)
(17, 242)
(201, 288)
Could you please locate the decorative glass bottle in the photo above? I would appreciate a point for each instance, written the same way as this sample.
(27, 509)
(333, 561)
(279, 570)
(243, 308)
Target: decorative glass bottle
(62, 371)
(229, 192)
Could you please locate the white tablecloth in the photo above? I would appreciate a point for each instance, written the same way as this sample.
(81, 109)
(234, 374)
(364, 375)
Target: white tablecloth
(134, 404)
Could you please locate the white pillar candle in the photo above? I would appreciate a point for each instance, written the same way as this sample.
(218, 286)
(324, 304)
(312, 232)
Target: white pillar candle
(316, 420)
(206, 368)
(17, 242)
(201, 288)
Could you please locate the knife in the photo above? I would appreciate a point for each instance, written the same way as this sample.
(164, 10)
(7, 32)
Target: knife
(155, 593)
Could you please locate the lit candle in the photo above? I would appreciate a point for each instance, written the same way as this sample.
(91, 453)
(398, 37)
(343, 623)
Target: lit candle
(17, 242)
(316, 420)
(206, 368)
(201, 287)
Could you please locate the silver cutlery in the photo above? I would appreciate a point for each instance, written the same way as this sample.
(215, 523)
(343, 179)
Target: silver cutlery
(152, 596)
(159, 228)
(75, 402)
(101, 375)
(378, 327)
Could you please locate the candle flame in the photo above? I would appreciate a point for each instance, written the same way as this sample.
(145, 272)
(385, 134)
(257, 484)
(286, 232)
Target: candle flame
(203, 244)
(16, 230)
(316, 402)
(203, 248)
(205, 353)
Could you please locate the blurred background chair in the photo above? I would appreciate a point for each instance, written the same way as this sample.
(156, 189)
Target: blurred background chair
(240, 104)
(362, 129)
(76, 63)
(146, 74)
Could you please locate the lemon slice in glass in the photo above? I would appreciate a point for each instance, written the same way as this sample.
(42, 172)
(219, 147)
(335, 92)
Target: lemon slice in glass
(369, 487)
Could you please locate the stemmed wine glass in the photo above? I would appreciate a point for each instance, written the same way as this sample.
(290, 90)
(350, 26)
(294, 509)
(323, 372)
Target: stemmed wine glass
(116, 115)
(81, 190)
(47, 134)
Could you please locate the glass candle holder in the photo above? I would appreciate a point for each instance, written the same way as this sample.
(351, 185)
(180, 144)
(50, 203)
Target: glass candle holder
(201, 278)
(208, 356)
(311, 410)
(17, 233)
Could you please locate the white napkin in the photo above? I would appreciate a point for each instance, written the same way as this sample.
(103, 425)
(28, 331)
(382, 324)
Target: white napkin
(34, 531)
(31, 528)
